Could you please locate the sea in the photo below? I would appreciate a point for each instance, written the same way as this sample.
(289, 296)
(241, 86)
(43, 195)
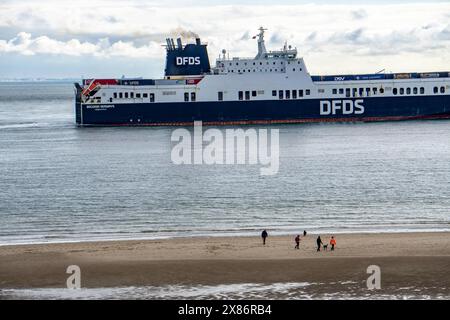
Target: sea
(63, 183)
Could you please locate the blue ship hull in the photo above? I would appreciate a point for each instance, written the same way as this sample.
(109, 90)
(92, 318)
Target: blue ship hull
(247, 112)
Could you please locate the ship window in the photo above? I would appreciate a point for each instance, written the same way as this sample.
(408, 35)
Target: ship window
(274, 93)
(422, 90)
(260, 63)
(241, 95)
(280, 94)
(131, 95)
(288, 94)
(374, 90)
(394, 91)
(294, 94)
(253, 63)
(253, 93)
(193, 96)
(347, 92)
(408, 90)
(120, 95)
(115, 95)
(270, 70)
(307, 92)
(186, 96)
(367, 91)
(415, 90)
(402, 91)
(381, 90)
(276, 70)
(152, 97)
(435, 89)
(341, 91)
(300, 93)
(138, 95)
(442, 89)
(145, 95)
(247, 95)
(361, 92)
(220, 95)
(335, 91)
(355, 90)
(126, 95)
(237, 63)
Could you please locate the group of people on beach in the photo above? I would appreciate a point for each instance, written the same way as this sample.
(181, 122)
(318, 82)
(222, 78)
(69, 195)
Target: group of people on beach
(320, 244)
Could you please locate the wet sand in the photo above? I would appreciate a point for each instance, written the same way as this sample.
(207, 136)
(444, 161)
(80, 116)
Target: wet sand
(418, 260)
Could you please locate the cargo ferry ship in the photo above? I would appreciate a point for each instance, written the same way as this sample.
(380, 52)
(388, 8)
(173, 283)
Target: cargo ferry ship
(272, 87)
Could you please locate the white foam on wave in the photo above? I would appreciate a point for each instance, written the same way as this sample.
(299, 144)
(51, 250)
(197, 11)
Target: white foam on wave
(21, 125)
(239, 291)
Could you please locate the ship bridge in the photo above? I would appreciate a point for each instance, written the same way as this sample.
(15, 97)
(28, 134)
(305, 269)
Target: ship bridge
(278, 61)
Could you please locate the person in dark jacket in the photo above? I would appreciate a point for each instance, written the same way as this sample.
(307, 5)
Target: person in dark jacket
(264, 235)
(304, 233)
(319, 243)
(297, 242)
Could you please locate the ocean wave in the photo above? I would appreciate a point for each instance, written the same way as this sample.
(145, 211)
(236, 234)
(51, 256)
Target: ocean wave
(238, 291)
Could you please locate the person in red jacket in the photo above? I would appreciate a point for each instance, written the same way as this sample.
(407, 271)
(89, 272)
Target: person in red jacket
(332, 243)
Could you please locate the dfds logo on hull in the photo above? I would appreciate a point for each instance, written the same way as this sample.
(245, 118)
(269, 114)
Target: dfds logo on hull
(328, 107)
(190, 61)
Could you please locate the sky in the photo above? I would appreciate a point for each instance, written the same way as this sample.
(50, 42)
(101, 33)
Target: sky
(112, 38)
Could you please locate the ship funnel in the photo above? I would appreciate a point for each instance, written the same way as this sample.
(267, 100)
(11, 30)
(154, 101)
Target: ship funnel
(169, 45)
(190, 60)
(179, 43)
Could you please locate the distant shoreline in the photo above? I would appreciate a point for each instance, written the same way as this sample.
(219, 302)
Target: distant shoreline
(39, 80)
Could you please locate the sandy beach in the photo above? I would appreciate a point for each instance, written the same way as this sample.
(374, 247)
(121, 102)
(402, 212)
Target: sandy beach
(407, 260)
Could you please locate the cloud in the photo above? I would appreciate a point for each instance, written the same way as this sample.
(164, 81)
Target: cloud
(25, 44)
(383, 33)
(359, 14)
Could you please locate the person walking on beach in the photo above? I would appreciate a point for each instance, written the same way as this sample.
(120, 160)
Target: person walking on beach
(264, 235)
(304, 233)
(297, 242)
(319, 243)
(332, 243)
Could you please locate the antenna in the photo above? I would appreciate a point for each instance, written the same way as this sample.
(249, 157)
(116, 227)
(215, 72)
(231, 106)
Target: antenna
(261, 46)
